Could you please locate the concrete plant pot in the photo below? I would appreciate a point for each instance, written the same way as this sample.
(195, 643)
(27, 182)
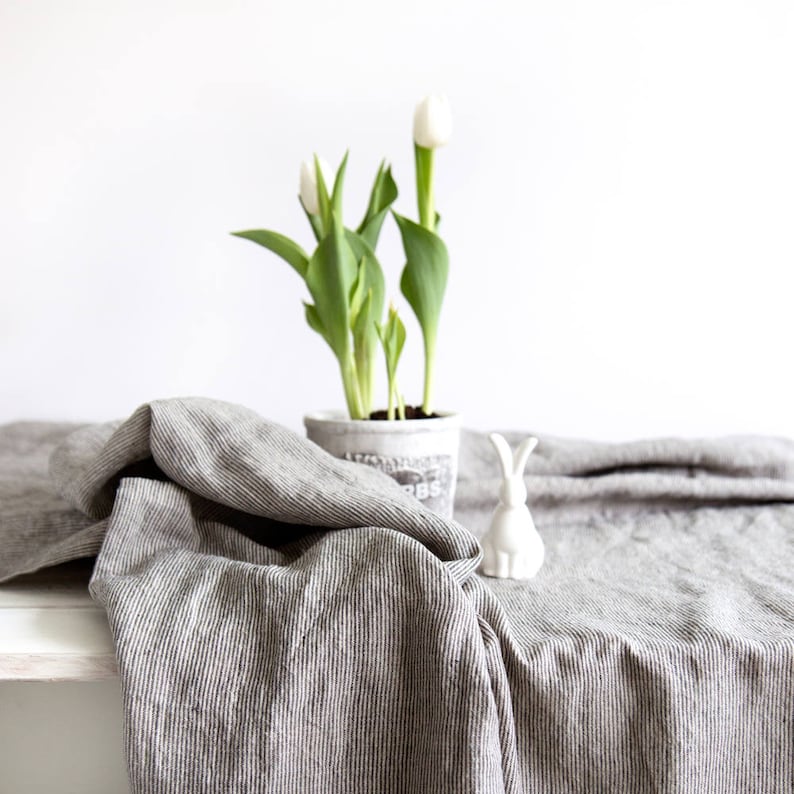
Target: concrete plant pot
(421, 454)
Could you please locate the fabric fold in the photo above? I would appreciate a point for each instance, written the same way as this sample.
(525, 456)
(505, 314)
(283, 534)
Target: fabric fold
(231, 456)
(285, 621)
(38, 527)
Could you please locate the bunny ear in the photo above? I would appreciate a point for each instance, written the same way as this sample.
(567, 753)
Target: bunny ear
(505, 454)
(522, 455)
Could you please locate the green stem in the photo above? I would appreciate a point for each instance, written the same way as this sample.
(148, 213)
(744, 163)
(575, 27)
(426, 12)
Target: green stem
(365, 378)
(424, 187)
(390, 410)
(430, 222)
(430, 359)
(352, 395)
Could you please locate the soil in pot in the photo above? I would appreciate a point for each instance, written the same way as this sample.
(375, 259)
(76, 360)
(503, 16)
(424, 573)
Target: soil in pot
(411, 412)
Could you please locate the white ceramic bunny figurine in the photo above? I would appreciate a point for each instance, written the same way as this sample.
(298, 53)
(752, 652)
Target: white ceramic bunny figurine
(512, 547)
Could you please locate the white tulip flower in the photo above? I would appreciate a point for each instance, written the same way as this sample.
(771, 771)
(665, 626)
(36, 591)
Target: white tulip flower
(433, 121)
(308, 184)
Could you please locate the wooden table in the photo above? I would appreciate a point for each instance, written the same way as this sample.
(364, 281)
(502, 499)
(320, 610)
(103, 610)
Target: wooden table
(51, 630)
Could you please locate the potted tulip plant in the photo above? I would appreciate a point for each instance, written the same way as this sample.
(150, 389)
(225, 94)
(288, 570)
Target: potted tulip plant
(418, 446)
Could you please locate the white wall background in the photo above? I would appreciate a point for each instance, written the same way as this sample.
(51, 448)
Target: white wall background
(617, 199)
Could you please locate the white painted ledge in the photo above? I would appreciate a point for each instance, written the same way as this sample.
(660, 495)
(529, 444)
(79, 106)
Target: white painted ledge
(51, 630)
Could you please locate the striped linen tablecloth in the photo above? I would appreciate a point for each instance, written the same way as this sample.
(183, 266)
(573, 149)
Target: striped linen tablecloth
(288, 622)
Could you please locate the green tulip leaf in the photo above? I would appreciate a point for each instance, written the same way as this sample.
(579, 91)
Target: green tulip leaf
(424, 278)
(330, 276)
(384, 193)
(313, 319)
(364, 325)
(423, 283)
(323, 200)
(365, 348)
(373, 277)
(392, 337)
(359, 292)
(280, 245)
(366, 308)
(339, 182)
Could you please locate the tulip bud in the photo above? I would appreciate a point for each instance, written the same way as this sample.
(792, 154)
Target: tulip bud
(432, 121)
(308, 184)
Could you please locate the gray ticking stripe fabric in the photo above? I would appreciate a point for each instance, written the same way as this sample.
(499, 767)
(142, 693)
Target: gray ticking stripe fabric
(288, 622)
